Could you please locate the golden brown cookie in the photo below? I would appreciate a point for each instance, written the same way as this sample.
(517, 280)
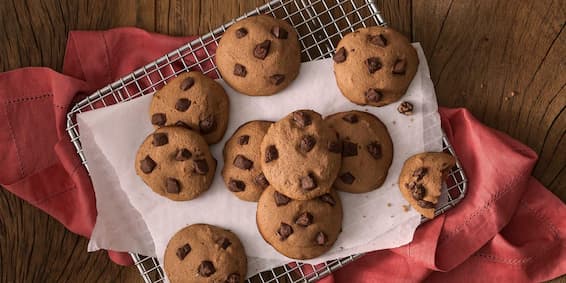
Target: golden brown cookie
(299, 229)
(421, 180)
(300, 155)
(367, 151)
(175, 162)
(242, 167)
(205, 253)
(374, 65)
(193, 101)
(259, 55)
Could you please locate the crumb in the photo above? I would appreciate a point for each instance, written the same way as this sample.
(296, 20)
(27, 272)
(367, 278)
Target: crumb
(513, 94)
(394, 122)
(406, 207)
(363, 216)
(506, 98)
(412, 120)
(392, 216)
(482, 85)
(388, 204)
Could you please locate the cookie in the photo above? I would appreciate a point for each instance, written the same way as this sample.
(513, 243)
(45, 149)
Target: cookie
(374, 65)
(193, 101)
(259, 55)
(175, 162)
(242, 167)
(421, 180)
(205, 253)
(300, 155)
(367, 151)
(299, 229)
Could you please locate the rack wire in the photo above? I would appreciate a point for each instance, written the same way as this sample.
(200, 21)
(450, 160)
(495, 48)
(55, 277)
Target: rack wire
(320, 25)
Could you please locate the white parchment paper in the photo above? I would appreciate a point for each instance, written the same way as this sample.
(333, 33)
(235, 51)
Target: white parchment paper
(131, 217)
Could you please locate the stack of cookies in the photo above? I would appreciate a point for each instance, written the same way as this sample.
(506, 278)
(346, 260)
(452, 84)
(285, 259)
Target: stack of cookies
(292, 168)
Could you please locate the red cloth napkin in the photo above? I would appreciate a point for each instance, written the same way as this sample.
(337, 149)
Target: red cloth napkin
(508, 226)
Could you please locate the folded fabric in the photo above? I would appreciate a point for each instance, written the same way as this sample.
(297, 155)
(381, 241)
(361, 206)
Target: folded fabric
(508, 226)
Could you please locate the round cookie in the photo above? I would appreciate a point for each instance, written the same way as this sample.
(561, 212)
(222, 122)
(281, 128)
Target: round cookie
(242, 167)
(205, 253)
(175, 162)
(299, 229)
(193, 101)
(367, 151)
(374, 65)
(420, 180)
(259, 55)
(300, 155)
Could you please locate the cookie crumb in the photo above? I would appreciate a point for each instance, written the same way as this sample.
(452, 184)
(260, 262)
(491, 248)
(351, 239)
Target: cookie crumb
(388, 204)
(406, 208)
(405, 108)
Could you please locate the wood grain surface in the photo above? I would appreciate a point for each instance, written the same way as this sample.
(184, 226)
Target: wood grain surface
(503, 60)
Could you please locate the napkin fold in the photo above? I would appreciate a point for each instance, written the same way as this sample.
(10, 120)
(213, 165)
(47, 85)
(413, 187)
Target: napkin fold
(508, 227)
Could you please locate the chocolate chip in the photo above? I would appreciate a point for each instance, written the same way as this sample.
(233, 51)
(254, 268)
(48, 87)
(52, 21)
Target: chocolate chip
(224, 243)
(279, 32)
(374, 149)
(418, 192)
(242, 162)
(425, 204)
(277, 79)
(158, 119)
(321, 239)
(182, 104)
(233, 278)
(183, 154)
(183, 251)
(261, 50)
(280, 199)
(350, 118)
(347, 178)
(183, 124)
(241, 32)
(206, 268)
(284, 231)
(340, 55)
(378, 40)
(187, 83)
(236, 185)
(201, 166)
(271, 154)
(405, 108)
(420, 173)
(410, 186)
(244, 139)
(207, 125)
(335, 146)
(349, 149)
(301, 119)
(373, 95)
(159, 139)
(307, 143)
(172, 186)
(147, 165)
(373, 64)
(328, 199)
(400, 67)
(240, 70)
(308, 182)
(261, 181)
(304, 219)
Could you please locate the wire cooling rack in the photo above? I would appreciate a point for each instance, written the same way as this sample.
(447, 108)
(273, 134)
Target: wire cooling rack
(320, 25)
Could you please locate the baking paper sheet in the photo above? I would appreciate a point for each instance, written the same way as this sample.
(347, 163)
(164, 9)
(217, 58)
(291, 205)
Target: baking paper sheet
(133, 218)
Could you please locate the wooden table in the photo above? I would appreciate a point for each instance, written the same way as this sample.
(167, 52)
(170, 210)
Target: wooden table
(500, 59)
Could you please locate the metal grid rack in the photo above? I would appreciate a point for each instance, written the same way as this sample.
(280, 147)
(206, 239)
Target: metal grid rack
(320, 25)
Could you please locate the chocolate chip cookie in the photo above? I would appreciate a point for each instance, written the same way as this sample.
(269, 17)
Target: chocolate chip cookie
(300, 155)
(175, 162)
(259, 55)
(299, 229)
(374, 65)
(242, 167)
(205, 253)
(421, 180)
(193, 101)
(367, 151)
